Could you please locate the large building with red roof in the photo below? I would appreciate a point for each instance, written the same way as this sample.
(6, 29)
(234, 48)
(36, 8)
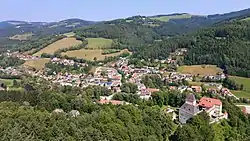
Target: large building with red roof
(212, 106)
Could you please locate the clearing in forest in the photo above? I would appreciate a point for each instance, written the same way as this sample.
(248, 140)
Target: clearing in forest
(167, 18)
(99, 43)
(242, 80)
(91, 54)
(21, 37)
(61, 44)
(38, 64)
(200, 69)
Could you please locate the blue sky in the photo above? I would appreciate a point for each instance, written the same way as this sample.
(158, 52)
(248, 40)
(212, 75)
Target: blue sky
(96, 10)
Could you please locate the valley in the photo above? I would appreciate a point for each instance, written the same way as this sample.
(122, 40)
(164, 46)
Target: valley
(173, 77)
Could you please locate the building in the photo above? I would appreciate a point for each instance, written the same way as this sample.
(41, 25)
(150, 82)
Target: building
(212, 106)
(189, 109)
(246, 109)
(196, 89)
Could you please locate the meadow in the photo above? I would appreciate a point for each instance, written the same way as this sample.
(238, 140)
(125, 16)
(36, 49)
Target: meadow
(21, 37)
(200, 69)
(38, 64)
(242, 80)
(61, 44)
(241, 94)
(99, 43)
(167, 18)
(89, 54)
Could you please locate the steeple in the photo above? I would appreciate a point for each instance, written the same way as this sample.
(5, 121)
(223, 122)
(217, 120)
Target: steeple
(191, 99)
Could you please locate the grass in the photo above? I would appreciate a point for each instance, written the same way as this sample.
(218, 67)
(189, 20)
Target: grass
(91, 54)
(242, 80)
(61, 44)
(37, 64)
(200, 69)
(246, 19)
(8, 82)
(167, 18)
(21, 37)
(241, 94)
(69, 34)
(98, 43)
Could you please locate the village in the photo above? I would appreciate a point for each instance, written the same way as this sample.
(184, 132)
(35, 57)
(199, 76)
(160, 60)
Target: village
(113, 76)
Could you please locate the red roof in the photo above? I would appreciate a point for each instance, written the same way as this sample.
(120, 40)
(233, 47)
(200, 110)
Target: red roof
(114, 102)
(209, 102)
(153, 90)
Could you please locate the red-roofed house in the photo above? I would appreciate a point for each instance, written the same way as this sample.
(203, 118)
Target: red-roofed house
(212, 106)
(113, 102)
(152, 90)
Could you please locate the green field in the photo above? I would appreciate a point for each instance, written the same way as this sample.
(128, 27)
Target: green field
(99, 43)
(246, 19)
(21, 37)
(241, 94)
(8, 82)
(199, 69)
(242, 80)
(167, 18)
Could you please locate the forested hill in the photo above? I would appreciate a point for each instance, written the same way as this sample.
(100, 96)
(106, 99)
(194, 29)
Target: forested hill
(226, 45)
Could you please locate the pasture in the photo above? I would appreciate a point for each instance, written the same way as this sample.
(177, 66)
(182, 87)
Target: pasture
(69, 34)
(99, 43)
(241, 94)
(91, 54)
(200, 69)
(242, 80)
(167, 18)
(21, 37)
(61, 44)
(37, 64)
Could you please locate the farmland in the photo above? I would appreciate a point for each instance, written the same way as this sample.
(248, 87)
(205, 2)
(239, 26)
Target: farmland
(200, 69)
(167, 18)
(242, 80)
(91, 54)
(38, 64)
(98, 43)
(61, 44)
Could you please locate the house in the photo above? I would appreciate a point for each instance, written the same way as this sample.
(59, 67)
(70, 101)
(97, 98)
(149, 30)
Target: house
(196, 89)
(212, 106)
(113, 102)
(74, 113)
(246, 109)
(189, 109)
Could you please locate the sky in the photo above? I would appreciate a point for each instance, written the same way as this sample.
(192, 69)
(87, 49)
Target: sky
(100, 10)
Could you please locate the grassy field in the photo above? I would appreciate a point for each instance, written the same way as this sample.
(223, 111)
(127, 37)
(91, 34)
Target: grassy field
(69, 34)
(167, 18)
(98, 43)
(241, 94)
(199, 69)
(246, 19)
(37, 64)
(242, 80)
(9, 82)
(91, 54)
(21, 37)
(61, 44)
